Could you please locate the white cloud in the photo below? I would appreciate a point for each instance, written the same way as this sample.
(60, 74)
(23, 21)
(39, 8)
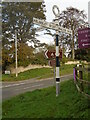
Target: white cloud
(63, 4)
(46, 39)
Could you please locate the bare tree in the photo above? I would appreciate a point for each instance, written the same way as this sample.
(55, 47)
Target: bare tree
(73, 19)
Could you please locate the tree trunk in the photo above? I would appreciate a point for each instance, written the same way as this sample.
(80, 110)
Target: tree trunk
(73, 53)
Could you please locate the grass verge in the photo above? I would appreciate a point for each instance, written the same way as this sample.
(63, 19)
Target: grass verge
(39, 72)
(44, 104)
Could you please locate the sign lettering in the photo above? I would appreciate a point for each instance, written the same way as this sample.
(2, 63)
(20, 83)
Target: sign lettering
(84, 38)
(52, 25)
(52, 54)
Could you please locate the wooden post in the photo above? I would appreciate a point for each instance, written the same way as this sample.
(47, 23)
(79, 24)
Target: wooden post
(76, 75)
(81, 77)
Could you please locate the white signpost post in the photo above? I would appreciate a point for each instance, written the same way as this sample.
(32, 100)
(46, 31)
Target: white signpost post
(16, 52)
(54, 26)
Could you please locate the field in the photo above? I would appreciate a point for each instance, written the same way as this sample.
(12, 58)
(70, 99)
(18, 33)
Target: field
(44, 104)
(38, 73)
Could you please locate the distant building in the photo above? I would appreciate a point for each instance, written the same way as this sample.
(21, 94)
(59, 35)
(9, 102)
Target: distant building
(89, 12)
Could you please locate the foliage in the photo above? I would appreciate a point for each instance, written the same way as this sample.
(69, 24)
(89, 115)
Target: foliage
(71, 18)
(40, 55)
(44, 104)
(83, 54)
(6, 59)
(19, 16)
(64, 59)
(40, 59)
(24, 56)
(50, 47)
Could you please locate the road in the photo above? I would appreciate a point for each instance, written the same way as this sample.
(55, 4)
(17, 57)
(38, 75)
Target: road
(10, 89)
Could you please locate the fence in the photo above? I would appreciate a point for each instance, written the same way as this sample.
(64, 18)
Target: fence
(83, 86)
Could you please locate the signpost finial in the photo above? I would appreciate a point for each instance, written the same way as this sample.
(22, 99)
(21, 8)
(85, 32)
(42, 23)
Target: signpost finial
(55, 7)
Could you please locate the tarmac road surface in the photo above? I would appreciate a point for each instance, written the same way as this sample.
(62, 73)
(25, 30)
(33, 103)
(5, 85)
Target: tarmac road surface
(10, 89)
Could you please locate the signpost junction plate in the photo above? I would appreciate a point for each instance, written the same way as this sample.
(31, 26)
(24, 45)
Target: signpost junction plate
(51, 25)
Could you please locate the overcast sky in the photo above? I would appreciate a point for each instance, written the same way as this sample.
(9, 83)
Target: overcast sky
(62, 4)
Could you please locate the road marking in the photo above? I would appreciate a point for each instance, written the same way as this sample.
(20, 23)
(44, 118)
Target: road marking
(12, 85)
(29, 87)
(6, 86)
(25, 82)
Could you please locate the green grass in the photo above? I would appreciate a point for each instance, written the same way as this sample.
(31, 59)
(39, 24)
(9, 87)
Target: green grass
(66, 69)
(44, 104)
(39, 72)
(84, 86)
(86, 76)
(33, 73)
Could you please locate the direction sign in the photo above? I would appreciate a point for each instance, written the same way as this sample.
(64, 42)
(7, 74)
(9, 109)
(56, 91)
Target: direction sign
(51, 25)
(52, 54)
(84, 38)
(52, 63)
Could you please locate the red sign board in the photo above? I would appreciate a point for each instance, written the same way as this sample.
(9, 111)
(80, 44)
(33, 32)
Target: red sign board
(52, 63)
(84, 38)
(52, 54)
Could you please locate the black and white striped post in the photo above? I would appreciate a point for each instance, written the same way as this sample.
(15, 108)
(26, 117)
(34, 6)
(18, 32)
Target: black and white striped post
(57, 14)
(54, 26)
(57, 67)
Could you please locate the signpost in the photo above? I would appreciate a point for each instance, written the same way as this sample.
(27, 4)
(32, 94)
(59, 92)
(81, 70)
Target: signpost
(84, 38)
(52, 63)
(51, 25)
(16, 52)
(52, 54)
(54, 26)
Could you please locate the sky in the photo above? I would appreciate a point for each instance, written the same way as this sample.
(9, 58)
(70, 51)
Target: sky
(62, 4)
